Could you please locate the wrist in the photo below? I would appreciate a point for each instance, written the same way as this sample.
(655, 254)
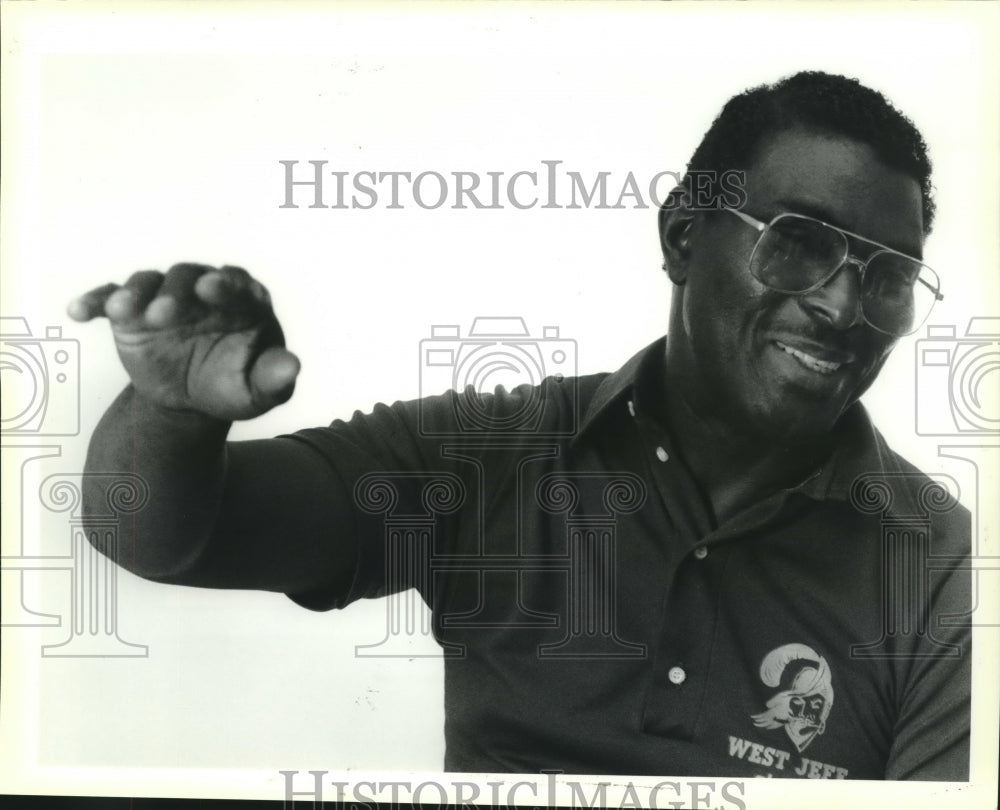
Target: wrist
(188, 420)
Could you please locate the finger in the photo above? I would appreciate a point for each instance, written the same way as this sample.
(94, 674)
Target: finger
(272, 377)
(221, 287)
(144, 286)
(233, 289)
(237, 275)
(212, 287)
(127, 304)
(91, 304)
(243, 281)
(175, 300)
(260, 292)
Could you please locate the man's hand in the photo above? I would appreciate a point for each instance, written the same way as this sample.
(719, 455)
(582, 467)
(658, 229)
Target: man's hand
(197, 339)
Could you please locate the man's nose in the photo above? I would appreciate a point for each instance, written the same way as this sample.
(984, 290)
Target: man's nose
(838, 302)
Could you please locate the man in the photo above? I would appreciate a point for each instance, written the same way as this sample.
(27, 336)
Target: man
(681, 567)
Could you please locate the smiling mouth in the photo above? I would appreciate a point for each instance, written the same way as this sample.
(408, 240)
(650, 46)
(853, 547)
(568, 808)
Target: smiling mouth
(810, 362)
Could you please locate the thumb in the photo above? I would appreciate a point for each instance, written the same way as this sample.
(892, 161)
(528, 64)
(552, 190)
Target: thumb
(272, 377)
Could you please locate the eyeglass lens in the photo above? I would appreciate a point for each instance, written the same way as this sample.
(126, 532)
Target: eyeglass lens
(795, 254)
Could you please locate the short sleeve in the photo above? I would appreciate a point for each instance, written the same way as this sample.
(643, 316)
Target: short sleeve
(931, 739)
(376, 460)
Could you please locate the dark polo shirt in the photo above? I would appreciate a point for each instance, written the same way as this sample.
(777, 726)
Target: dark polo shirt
(596, 619)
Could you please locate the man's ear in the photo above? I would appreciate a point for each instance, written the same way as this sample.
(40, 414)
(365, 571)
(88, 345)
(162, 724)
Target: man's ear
(676, 221)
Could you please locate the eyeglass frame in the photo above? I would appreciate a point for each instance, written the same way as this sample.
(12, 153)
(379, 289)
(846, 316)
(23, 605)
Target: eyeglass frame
(760, 226)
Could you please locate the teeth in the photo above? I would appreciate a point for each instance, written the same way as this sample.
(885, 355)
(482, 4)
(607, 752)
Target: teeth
(810, 362)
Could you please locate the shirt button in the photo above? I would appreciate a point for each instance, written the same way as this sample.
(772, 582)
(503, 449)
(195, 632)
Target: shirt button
(700, 553)
(661, 454)
(631, 407)
(677, 676)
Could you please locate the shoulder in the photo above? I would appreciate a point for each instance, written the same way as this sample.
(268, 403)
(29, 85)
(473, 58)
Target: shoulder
(908, 494)
(553, 407)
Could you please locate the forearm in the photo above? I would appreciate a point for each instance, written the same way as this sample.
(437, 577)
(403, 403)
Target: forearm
(181, 457)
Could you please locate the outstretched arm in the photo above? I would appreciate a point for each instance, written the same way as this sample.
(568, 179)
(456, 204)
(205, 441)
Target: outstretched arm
(203, 348)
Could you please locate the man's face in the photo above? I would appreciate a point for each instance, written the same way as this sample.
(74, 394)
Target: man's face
(775, 364)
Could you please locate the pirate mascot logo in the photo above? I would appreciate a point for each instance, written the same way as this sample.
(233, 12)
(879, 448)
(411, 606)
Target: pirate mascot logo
(806, 695)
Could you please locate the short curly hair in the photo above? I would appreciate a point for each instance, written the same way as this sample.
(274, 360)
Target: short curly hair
(819, 102)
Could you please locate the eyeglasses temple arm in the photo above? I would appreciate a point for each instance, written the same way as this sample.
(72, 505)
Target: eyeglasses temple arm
(749, 220)
(937, 293)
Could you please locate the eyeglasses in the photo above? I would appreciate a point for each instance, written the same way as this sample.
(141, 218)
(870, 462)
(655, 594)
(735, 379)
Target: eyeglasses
(796, 254)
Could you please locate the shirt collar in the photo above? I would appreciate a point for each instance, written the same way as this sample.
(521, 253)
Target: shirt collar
(860, 448)
(613, 388)
(861, 451)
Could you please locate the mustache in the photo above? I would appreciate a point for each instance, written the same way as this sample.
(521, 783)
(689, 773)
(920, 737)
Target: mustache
(836, 339)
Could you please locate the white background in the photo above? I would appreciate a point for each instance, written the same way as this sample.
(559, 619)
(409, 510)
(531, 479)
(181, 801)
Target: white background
(137, 136)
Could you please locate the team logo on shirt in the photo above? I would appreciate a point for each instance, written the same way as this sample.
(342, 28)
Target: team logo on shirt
(805, 694)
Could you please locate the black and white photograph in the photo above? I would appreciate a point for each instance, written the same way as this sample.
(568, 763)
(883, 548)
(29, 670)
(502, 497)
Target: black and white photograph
(543, 403)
